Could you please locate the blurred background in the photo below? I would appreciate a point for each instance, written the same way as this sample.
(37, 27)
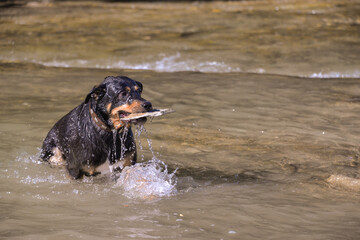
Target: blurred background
(297, 38)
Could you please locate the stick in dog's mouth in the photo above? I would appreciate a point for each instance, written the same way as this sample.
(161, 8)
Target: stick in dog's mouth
(152, 113)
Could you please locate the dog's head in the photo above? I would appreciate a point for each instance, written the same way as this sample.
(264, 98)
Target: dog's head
(117, 97)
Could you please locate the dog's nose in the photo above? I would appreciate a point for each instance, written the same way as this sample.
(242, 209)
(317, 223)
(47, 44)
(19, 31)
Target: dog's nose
(147, 105)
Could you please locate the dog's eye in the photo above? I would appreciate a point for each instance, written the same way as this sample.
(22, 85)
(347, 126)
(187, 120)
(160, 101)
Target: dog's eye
(123, 94)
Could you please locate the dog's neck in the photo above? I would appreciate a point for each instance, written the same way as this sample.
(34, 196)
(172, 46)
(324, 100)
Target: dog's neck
(97, 120)
(100, 123)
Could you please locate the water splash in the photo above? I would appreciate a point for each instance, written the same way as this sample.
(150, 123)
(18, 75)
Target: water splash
(28, 158)
(30, 172)
(148, 180)
(138, 131)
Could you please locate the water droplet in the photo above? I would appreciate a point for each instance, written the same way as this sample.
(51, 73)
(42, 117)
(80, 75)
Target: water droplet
(75, 191)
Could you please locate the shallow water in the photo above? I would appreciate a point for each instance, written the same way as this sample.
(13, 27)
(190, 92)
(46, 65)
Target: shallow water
(298, 38)
(256, 155)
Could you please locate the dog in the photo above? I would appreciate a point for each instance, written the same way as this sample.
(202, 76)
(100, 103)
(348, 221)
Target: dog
(92, 139)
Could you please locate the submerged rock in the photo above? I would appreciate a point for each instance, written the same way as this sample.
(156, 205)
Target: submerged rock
(344, 182)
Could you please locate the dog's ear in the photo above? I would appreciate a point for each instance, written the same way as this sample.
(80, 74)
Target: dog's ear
(96, 93)
(140, 86)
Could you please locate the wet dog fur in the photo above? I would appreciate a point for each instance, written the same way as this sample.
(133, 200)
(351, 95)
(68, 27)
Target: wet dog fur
(91, 138)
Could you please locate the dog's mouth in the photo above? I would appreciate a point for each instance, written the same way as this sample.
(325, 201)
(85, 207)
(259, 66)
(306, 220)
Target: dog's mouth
(123, 117)
(123, 114)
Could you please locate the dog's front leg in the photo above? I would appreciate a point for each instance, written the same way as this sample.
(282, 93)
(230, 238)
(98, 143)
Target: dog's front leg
(73, 167)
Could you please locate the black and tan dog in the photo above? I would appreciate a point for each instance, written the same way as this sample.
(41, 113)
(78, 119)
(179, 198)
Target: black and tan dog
(92, 138)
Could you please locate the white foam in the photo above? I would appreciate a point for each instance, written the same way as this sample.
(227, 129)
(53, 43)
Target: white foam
(27, 158)
(147, 180)
(174, 63)
(29, 172)
(354, 74)
(177, 63)
(166, 63)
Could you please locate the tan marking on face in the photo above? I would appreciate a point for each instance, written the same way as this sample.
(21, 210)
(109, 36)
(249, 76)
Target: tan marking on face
(134, 107)
(119, 124)
(108, 107)
(128, 89)
(136, 88)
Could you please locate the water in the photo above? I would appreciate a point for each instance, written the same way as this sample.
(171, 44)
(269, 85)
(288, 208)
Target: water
(149, 180)
(263, 144)
(298, 38)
